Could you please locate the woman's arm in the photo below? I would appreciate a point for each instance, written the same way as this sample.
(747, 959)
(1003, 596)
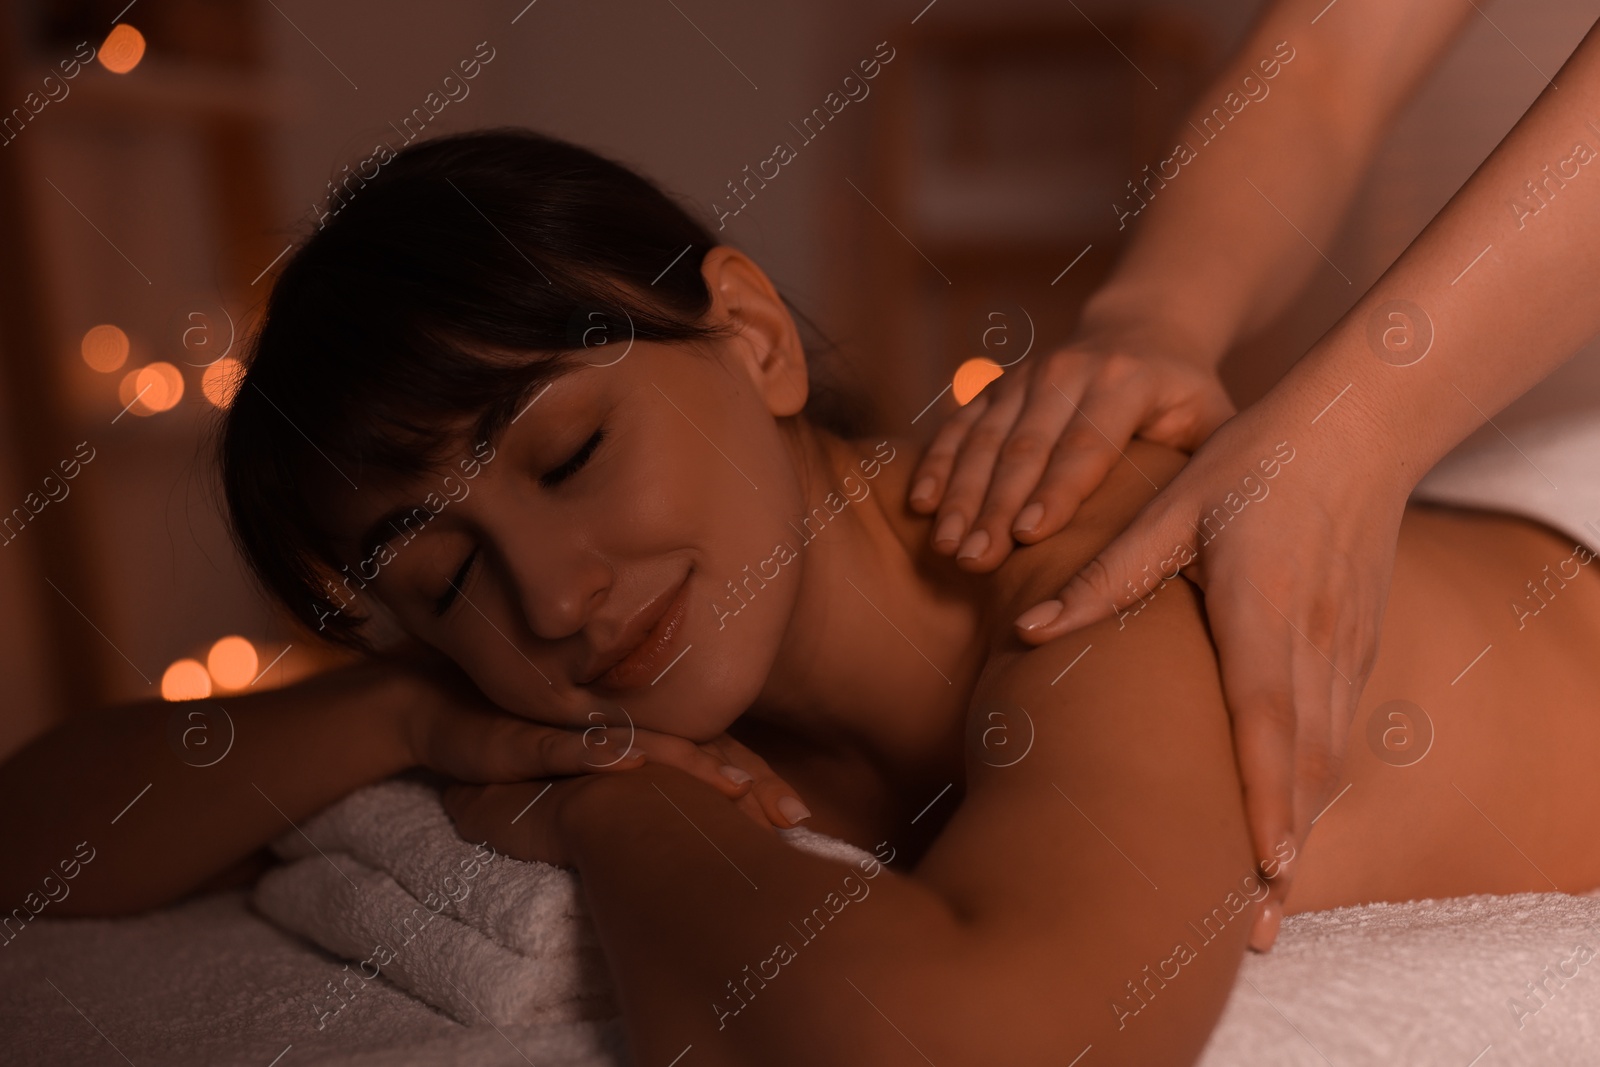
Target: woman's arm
(129, 783)
(172, 798)
(1054, 911)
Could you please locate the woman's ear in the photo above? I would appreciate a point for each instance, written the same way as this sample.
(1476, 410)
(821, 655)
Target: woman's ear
(766, 341)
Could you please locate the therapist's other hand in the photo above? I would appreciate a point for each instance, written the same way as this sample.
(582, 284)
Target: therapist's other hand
(1016, 461)
(1294, 547)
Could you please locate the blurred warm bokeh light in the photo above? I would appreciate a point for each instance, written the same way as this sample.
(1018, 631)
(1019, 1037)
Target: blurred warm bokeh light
(152, 388)
(122, 49)
(105, 348)
(972, 376)
(232, 662)
(128, 393)
(221, 381)
(186, 679)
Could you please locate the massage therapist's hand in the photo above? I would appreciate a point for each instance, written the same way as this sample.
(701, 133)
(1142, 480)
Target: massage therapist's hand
(1018, 459)
(452, 728)
(1291, 530)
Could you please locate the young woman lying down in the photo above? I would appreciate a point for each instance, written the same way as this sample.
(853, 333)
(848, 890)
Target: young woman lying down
(662, 535)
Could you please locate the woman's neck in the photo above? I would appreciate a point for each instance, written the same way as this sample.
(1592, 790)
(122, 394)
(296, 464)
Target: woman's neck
(886, 640)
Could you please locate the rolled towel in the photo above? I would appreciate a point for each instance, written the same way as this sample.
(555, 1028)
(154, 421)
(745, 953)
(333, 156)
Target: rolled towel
(364, 915)
(399, 827)
(383, 878)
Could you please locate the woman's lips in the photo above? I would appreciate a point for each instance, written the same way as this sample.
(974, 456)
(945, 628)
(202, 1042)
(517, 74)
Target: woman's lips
(644, 664)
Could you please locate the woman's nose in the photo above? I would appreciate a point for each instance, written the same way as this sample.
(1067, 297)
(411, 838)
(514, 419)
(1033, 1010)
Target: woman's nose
(557, 591)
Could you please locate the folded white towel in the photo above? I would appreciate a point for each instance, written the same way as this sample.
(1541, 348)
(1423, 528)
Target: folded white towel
(382, 878)
(400, 828)
(364, 915)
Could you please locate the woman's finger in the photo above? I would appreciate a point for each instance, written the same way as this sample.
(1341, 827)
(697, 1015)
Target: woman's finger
(489, 745)
(694, 759)
(933, 471)
(600, 748)
(777, 801)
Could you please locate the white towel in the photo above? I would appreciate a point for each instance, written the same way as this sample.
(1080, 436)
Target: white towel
(399, 827)
(364, 915)
(1490, 981)
(1548, 470)
(383, 879)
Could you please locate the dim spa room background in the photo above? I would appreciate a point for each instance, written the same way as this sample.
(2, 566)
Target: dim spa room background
(159, 159)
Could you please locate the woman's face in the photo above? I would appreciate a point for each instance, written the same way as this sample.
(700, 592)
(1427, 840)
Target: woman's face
(610, 518)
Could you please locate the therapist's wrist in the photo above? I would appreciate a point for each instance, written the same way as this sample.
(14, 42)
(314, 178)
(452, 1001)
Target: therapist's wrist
(1146, 322)
(1342, 411)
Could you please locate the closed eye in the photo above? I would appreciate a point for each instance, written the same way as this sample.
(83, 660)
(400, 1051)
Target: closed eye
(555, 477)
(442, 603)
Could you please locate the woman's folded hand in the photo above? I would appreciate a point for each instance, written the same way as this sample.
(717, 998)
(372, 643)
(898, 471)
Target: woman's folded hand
(1016, 461)
(453, 729)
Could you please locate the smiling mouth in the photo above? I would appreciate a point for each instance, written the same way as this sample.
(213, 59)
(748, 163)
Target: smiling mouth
(644, 665)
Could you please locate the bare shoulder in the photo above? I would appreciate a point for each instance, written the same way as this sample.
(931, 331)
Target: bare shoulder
(1102, 839)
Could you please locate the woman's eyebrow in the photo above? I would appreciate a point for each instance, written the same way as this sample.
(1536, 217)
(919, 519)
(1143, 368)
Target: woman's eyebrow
(489, 427)
(500, 414)
(376, 536)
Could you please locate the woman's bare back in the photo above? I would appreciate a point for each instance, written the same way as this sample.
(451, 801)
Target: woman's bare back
(1469, 762)
(1482, 780)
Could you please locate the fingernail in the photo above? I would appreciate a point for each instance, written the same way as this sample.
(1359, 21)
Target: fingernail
(735, 775)
(1029, 518)
(922, 493)
(791, 808)
(1040, 615)
(949, 531)
(1268, 920)
(975, 546)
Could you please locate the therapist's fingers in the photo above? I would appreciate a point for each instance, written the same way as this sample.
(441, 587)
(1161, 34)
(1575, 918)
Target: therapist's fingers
(1156, 545)
(1325, 708)
(974, 466)
(1256, 655)
(932, 473)
(1168, 401)
(1316, 769)
(1048, 428)
(1102, 423)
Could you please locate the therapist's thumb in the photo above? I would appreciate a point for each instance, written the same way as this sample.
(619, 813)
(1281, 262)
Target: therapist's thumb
(1131, 569)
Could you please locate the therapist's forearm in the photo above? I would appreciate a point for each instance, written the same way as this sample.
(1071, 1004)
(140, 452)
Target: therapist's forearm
(1502, 287)
(1220, 248)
